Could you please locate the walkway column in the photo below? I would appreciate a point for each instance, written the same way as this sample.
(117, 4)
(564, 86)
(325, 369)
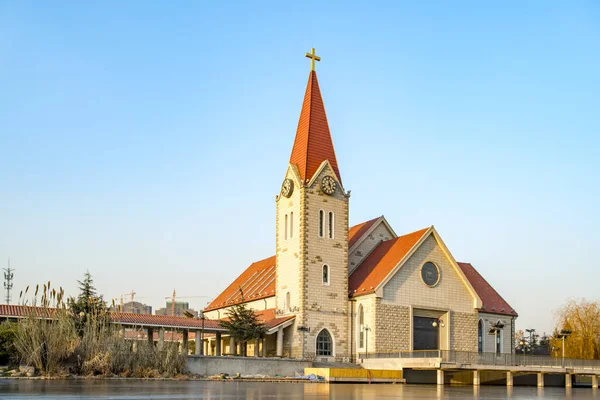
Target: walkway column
(150, 333)
(198, 343)
(161, 338)
(256, 347)
(540, 379)
(509, 378)
(184, 343)
(218, 345)
(264, 347)
(280, 342)
(476, 378)
(440, 376)
(594, 381)
(231, 345)
(568, 380)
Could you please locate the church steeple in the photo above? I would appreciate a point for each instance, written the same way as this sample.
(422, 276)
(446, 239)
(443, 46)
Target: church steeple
(313, 143)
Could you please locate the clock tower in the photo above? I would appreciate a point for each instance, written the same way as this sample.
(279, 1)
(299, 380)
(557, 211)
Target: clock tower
(312, 238)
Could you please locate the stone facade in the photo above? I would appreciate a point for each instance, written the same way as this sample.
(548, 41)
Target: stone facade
(300, 261)
(406, 295)
(393, 325)
(463, 331)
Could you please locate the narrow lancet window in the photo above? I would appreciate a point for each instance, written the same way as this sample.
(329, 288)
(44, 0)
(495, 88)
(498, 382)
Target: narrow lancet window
(325, 274)
(331, 234)
(321, 222)
(285, 234)
(292, 224)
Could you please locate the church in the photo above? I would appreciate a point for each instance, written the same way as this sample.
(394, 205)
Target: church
(334, 292)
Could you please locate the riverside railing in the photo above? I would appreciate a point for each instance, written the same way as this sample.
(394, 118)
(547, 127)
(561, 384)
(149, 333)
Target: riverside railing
(495, 359)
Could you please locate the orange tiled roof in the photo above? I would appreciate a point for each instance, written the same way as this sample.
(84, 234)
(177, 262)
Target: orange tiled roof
(313, 143)
(16, 311)
(256, 282)
(270, 319)
(492, 301)
(355, 232)
(374, 269)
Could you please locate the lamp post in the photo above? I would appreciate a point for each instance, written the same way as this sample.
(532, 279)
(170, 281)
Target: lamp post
(523, 345)
(563, 334)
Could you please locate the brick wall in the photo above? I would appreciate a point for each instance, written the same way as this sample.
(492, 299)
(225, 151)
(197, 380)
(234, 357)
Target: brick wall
(463, 331)
(393, 327)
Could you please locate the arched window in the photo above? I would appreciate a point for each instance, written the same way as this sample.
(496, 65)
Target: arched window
(325, 274)
(324, 343)
(291, 224)
(321, 222)
(330, 224)
(361, 327)
(480, 337)
(498, 341)
(287, 302)
(286, 227)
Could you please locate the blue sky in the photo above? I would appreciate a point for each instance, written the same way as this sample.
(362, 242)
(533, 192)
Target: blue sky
(146, 141)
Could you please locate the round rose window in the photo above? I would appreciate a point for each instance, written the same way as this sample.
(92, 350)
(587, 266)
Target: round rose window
(430, 274)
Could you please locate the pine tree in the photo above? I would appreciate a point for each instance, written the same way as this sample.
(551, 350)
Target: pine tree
(86, 288)
(88, 306)
(243, 325)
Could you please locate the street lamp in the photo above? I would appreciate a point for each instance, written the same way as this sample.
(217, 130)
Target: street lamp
(523, 345)
(563, 334)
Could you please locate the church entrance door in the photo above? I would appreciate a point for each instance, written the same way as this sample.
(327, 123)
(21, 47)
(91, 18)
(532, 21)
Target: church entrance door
(426, 334)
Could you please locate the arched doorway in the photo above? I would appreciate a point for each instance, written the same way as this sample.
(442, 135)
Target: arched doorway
(324, 343)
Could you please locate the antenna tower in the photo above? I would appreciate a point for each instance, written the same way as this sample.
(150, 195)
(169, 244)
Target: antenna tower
(8, 281)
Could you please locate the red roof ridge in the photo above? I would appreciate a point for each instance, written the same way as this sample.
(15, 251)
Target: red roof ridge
(313, 144)
(492, 301)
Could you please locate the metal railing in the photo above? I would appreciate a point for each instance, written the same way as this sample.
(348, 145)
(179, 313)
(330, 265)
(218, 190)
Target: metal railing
(493, 359)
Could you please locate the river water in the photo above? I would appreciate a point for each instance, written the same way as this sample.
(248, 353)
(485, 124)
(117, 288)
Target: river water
(136, 389)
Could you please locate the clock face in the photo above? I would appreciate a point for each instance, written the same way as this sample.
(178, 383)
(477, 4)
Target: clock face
(430, 274)
(287, 187)
(328, 185)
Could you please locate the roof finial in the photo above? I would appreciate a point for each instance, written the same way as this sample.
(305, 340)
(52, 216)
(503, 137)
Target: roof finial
(313, 57)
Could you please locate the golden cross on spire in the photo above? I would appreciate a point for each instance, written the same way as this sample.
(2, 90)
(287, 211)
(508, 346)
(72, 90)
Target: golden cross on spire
(313, 57)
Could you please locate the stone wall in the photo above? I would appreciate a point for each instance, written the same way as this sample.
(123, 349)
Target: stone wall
(207, 366)
(326, 305)
(463, 331)
(300, 261)
(393, 327)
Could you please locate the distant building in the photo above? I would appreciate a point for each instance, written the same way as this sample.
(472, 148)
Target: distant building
(181, 307)
(134, 307)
